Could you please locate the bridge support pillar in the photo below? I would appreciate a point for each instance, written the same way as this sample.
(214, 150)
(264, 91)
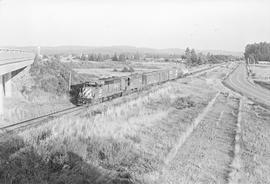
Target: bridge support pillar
(1, 97)
(7, 85)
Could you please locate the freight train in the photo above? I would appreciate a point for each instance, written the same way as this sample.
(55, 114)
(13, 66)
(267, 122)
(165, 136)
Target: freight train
(108, 88)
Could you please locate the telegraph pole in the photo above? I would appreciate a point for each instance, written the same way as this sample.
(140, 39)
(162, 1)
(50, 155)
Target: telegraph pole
(69, 82)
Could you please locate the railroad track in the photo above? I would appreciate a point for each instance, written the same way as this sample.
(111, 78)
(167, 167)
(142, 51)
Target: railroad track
(13, 128)
(39, 120)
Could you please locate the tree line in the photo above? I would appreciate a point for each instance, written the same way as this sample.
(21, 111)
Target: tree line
(257, 52)
(103, 57)
(192, 58)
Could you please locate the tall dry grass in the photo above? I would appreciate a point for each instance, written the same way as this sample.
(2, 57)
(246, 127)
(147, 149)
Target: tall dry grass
(41, 103)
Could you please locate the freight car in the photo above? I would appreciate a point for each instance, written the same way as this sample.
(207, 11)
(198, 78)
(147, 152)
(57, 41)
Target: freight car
(107, 88)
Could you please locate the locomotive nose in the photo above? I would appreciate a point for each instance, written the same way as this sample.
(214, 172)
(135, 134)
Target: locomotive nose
(87, 93)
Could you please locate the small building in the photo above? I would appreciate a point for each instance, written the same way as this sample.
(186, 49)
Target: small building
(264, 62)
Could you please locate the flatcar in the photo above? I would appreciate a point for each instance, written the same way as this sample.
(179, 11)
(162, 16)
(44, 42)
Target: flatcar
(107, 88)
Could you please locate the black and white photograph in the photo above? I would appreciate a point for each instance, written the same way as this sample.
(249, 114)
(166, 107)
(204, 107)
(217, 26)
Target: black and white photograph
(134, 92)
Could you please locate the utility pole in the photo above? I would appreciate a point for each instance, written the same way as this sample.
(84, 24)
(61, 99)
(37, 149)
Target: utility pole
(69, 82)
(38, 51)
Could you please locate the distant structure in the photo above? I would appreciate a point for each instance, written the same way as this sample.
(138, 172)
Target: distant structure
(38, 51)
(264, 62)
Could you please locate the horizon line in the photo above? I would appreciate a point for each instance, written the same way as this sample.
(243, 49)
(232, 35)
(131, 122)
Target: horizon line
(145, 47)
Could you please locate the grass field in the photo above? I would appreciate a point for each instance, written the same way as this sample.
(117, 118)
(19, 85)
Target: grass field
(261, 75)
(261, 72)
(114, 68)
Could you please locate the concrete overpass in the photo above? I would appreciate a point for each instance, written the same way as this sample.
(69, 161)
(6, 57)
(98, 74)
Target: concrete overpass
(11, 63)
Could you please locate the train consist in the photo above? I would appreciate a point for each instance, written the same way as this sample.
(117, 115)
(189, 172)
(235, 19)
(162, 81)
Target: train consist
(107, 88)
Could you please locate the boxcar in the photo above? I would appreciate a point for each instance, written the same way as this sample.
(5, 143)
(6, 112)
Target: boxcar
(180, 73)
(135, 81)
(173, 73)
(150, 78)
(131, 82)
(163, 75)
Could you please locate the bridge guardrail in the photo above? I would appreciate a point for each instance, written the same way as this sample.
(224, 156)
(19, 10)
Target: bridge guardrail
(14, 50)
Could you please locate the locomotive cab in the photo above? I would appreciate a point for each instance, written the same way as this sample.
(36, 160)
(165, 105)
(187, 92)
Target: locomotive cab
(87, 92)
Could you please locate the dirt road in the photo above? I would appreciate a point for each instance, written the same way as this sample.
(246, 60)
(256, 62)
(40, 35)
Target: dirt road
(239, 82)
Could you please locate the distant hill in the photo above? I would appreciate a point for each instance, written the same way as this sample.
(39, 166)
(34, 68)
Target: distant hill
(119, 49)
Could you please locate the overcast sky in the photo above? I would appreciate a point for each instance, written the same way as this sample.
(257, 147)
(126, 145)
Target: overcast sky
(200, 24)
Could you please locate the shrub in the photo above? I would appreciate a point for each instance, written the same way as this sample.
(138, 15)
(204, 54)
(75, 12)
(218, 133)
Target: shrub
(183, 102)
(127, 69)
(131, 69)
(53, 76)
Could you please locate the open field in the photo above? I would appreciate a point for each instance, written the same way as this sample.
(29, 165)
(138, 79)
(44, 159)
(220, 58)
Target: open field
(114, 68)
(120, 64)
(261, 72)
(261, 75)
(102, 69)
(108, 72)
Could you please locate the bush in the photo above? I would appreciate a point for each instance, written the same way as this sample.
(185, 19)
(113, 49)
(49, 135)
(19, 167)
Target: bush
(131, 69)
(127, 69)
(25, 165)
(183, 102)
(53, 76)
